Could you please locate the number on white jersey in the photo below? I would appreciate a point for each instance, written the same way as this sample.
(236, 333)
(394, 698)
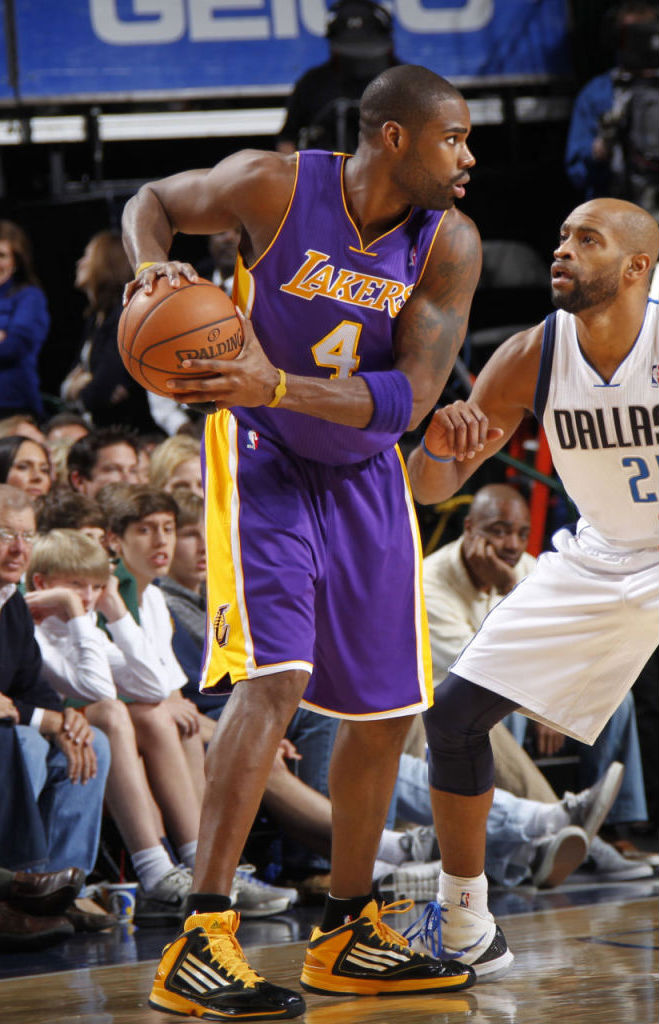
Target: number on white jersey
(642, 472)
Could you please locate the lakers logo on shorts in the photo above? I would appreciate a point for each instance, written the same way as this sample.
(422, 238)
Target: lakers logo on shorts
(221, 626)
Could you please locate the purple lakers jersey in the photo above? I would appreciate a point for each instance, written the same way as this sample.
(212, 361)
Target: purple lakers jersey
(324, 305)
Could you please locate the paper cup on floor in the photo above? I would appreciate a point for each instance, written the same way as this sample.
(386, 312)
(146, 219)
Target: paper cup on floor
(119, 899)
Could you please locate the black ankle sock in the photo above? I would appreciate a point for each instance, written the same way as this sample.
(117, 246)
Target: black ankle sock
(205, 903)
(337, 912)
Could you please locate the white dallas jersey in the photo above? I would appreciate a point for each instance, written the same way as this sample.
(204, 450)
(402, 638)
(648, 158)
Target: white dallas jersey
(604, 437)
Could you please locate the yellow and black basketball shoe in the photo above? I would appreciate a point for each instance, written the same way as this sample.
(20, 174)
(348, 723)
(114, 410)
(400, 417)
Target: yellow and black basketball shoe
(204, 973)
(366, 957)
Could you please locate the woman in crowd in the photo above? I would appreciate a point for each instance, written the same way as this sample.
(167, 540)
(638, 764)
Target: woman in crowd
(99, 383)
(24, 324)
(26, 464)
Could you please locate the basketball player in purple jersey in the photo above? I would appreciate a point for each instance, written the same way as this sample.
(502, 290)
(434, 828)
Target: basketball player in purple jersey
(569, 641)
(355, 275)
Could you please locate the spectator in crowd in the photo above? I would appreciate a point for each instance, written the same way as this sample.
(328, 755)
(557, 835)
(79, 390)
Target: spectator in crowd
(99, 383)
(462, 582)
(23, 424)
(105, 456)
(323, 109)
(142, 532)
(69, 579)
(65, 425)
(62, 431)
(221, 262)
(64, 509)
(24, 324)
(147, 443)
(26, 464)
(66, 759)
(177, 463)
(613, 143)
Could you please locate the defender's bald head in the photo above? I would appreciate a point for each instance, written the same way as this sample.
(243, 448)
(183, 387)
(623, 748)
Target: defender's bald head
(635, 230)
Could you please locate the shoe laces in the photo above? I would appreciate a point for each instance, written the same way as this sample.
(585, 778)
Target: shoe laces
(227, 952)
(428, 927)
(384, 932)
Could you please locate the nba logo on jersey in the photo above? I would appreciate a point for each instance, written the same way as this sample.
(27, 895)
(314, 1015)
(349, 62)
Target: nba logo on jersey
(412, 260)
(464, 899)
(655, 375)
(253, 439)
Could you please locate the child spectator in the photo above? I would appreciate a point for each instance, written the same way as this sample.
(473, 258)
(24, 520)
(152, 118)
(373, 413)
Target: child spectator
(66, 761)
(177, 463)
(142, 532)
(69, 578)
(63, 509)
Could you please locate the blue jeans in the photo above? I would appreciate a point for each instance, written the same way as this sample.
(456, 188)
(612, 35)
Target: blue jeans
(512, 836)
(71, 813)
(618, 741)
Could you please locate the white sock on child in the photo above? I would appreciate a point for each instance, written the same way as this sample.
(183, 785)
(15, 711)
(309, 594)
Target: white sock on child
(187, 853)
(151, 865)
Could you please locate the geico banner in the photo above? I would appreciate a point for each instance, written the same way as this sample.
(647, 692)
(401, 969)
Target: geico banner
(95, 48)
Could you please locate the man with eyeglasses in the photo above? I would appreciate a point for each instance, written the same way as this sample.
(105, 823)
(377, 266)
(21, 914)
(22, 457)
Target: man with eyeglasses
(55, 823)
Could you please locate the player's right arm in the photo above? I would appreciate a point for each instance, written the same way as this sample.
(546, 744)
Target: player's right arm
(249, 190)
(470, 432)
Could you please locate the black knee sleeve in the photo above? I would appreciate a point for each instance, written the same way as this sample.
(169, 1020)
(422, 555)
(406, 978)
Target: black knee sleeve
(457, 729)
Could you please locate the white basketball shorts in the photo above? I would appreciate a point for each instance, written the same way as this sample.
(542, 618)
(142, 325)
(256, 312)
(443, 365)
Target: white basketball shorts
(570, 640)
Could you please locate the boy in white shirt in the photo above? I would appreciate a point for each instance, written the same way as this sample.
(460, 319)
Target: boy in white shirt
(69, 579)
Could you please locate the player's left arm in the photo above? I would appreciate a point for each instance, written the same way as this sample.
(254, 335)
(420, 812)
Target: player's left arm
(432, 324)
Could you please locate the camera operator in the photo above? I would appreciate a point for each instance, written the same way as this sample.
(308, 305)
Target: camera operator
(323, 109)
(613, 139)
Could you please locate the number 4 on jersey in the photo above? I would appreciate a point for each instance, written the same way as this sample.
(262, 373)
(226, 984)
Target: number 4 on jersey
(338, 349)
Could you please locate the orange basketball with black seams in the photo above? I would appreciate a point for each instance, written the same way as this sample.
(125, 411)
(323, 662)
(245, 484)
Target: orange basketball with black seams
(158, 331)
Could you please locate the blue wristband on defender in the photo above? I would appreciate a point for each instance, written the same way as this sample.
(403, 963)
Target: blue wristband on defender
(392, 397)
(431, 455)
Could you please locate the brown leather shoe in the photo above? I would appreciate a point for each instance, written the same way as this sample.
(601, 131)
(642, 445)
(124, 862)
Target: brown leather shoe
(47, 893)
(88, 916)
(19, 931)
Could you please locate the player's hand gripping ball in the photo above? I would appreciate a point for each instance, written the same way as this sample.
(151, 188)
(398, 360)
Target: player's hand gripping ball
(158, 331)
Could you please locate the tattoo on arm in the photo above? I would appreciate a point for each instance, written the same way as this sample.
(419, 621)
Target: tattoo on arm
(435, 321)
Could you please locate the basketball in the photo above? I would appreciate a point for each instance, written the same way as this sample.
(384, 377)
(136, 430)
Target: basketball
(158, 331)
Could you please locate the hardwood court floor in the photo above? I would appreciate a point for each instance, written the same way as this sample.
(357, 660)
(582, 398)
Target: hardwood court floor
(580, 959)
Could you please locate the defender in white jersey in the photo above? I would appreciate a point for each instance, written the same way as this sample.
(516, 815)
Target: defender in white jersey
(568, 642)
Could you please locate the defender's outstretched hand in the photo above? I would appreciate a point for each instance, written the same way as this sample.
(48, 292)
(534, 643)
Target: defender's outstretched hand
(459, 430)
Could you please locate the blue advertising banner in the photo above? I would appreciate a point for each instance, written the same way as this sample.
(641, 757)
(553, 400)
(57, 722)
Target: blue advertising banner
(126, 48)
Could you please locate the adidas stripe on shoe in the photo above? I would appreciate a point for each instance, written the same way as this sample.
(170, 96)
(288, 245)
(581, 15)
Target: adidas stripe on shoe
(366, 958)
(204, 973)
